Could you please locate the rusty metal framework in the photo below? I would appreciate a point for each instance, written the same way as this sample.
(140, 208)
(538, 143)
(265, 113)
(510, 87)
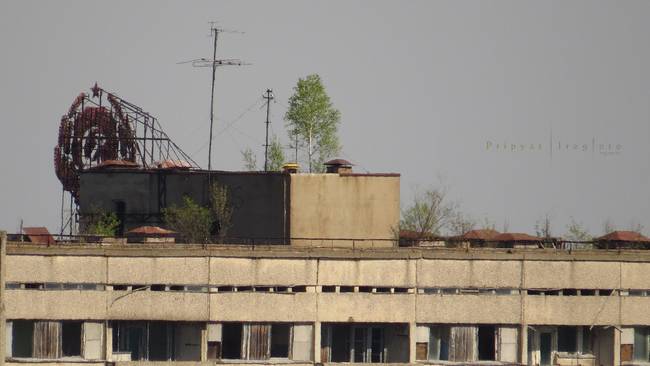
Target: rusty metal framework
(102, 129)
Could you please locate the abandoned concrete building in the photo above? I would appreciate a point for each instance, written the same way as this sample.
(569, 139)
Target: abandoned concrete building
(314, 273)
(350, 295)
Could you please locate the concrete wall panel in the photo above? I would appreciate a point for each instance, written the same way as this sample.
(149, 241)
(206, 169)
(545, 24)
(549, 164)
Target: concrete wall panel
(150, 305)
(55, 305)
(387, 273)
(572, 310)
(363, 307)
(468, 309)
(182, 270)
(233, 306)
(63, 269)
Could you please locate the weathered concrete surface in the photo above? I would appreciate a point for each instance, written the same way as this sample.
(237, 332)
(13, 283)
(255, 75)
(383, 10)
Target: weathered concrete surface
(248, 271)
(413, 269)
(182, 270)
(363, 307)
(468, 309)
(63, 269)
(247, 306)
(333, 206)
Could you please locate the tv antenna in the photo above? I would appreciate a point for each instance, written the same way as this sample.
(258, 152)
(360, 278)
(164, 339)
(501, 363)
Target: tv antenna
(214, 63)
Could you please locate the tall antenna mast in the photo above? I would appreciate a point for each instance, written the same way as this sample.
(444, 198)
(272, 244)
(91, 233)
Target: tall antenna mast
(269, 98)
(214, 63)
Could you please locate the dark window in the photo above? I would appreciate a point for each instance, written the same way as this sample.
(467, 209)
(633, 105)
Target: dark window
(346, 289)
(120, 287)
(214, 350)
(34, 286)
(329, 288)
(383, 290)
(365, 289)
(566, 339)
(22, 336)
(570, 292)
(486, 343)
(225, 289)
(231, 335)
(377, 345)
(401, 290)
(262, 289)
(299, 289)
(340, 343)
(587, 292)
(71, 338)
(280, 340)
(281, 289)
(586, 340)
(176, 288)
(360, 344)
(158, 341)
(244, 289)
(157, 287)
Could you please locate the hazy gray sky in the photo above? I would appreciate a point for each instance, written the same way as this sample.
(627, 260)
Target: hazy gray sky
(426, 89)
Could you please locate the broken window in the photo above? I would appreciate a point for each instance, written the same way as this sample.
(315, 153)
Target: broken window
(259, 341)
(280, 340)
(22, 335)
(438, 343)
(232, 339)
(158, 341)
(364, 343)
(71, 338)
(157, 287)
(641, 344)
(466, 343)
(567, 339)
(486, 343)
(46, 339)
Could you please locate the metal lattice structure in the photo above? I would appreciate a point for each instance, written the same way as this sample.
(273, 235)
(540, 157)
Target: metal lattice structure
(101, 129)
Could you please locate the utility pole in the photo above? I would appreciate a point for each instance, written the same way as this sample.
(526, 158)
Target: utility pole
(269, 98)
(214, 63)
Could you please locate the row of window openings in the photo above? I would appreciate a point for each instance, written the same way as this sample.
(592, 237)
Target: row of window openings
(326, 289)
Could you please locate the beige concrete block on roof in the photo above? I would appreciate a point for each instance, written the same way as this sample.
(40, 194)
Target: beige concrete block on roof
(635, 276)
(384, 273)
(250, 306)
(498, 274)
(468, 309)
(443, 273)
(635, 310)
(572, 310)
(59, 305)
(366, 307)
(154, 305)
(56, 269)
(333, 206)
(574, 274)
(161, 270)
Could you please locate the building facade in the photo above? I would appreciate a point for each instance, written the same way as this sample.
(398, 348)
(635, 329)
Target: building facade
(99, 304)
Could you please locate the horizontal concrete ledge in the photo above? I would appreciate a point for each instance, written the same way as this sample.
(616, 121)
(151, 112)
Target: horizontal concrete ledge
(281, 251)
